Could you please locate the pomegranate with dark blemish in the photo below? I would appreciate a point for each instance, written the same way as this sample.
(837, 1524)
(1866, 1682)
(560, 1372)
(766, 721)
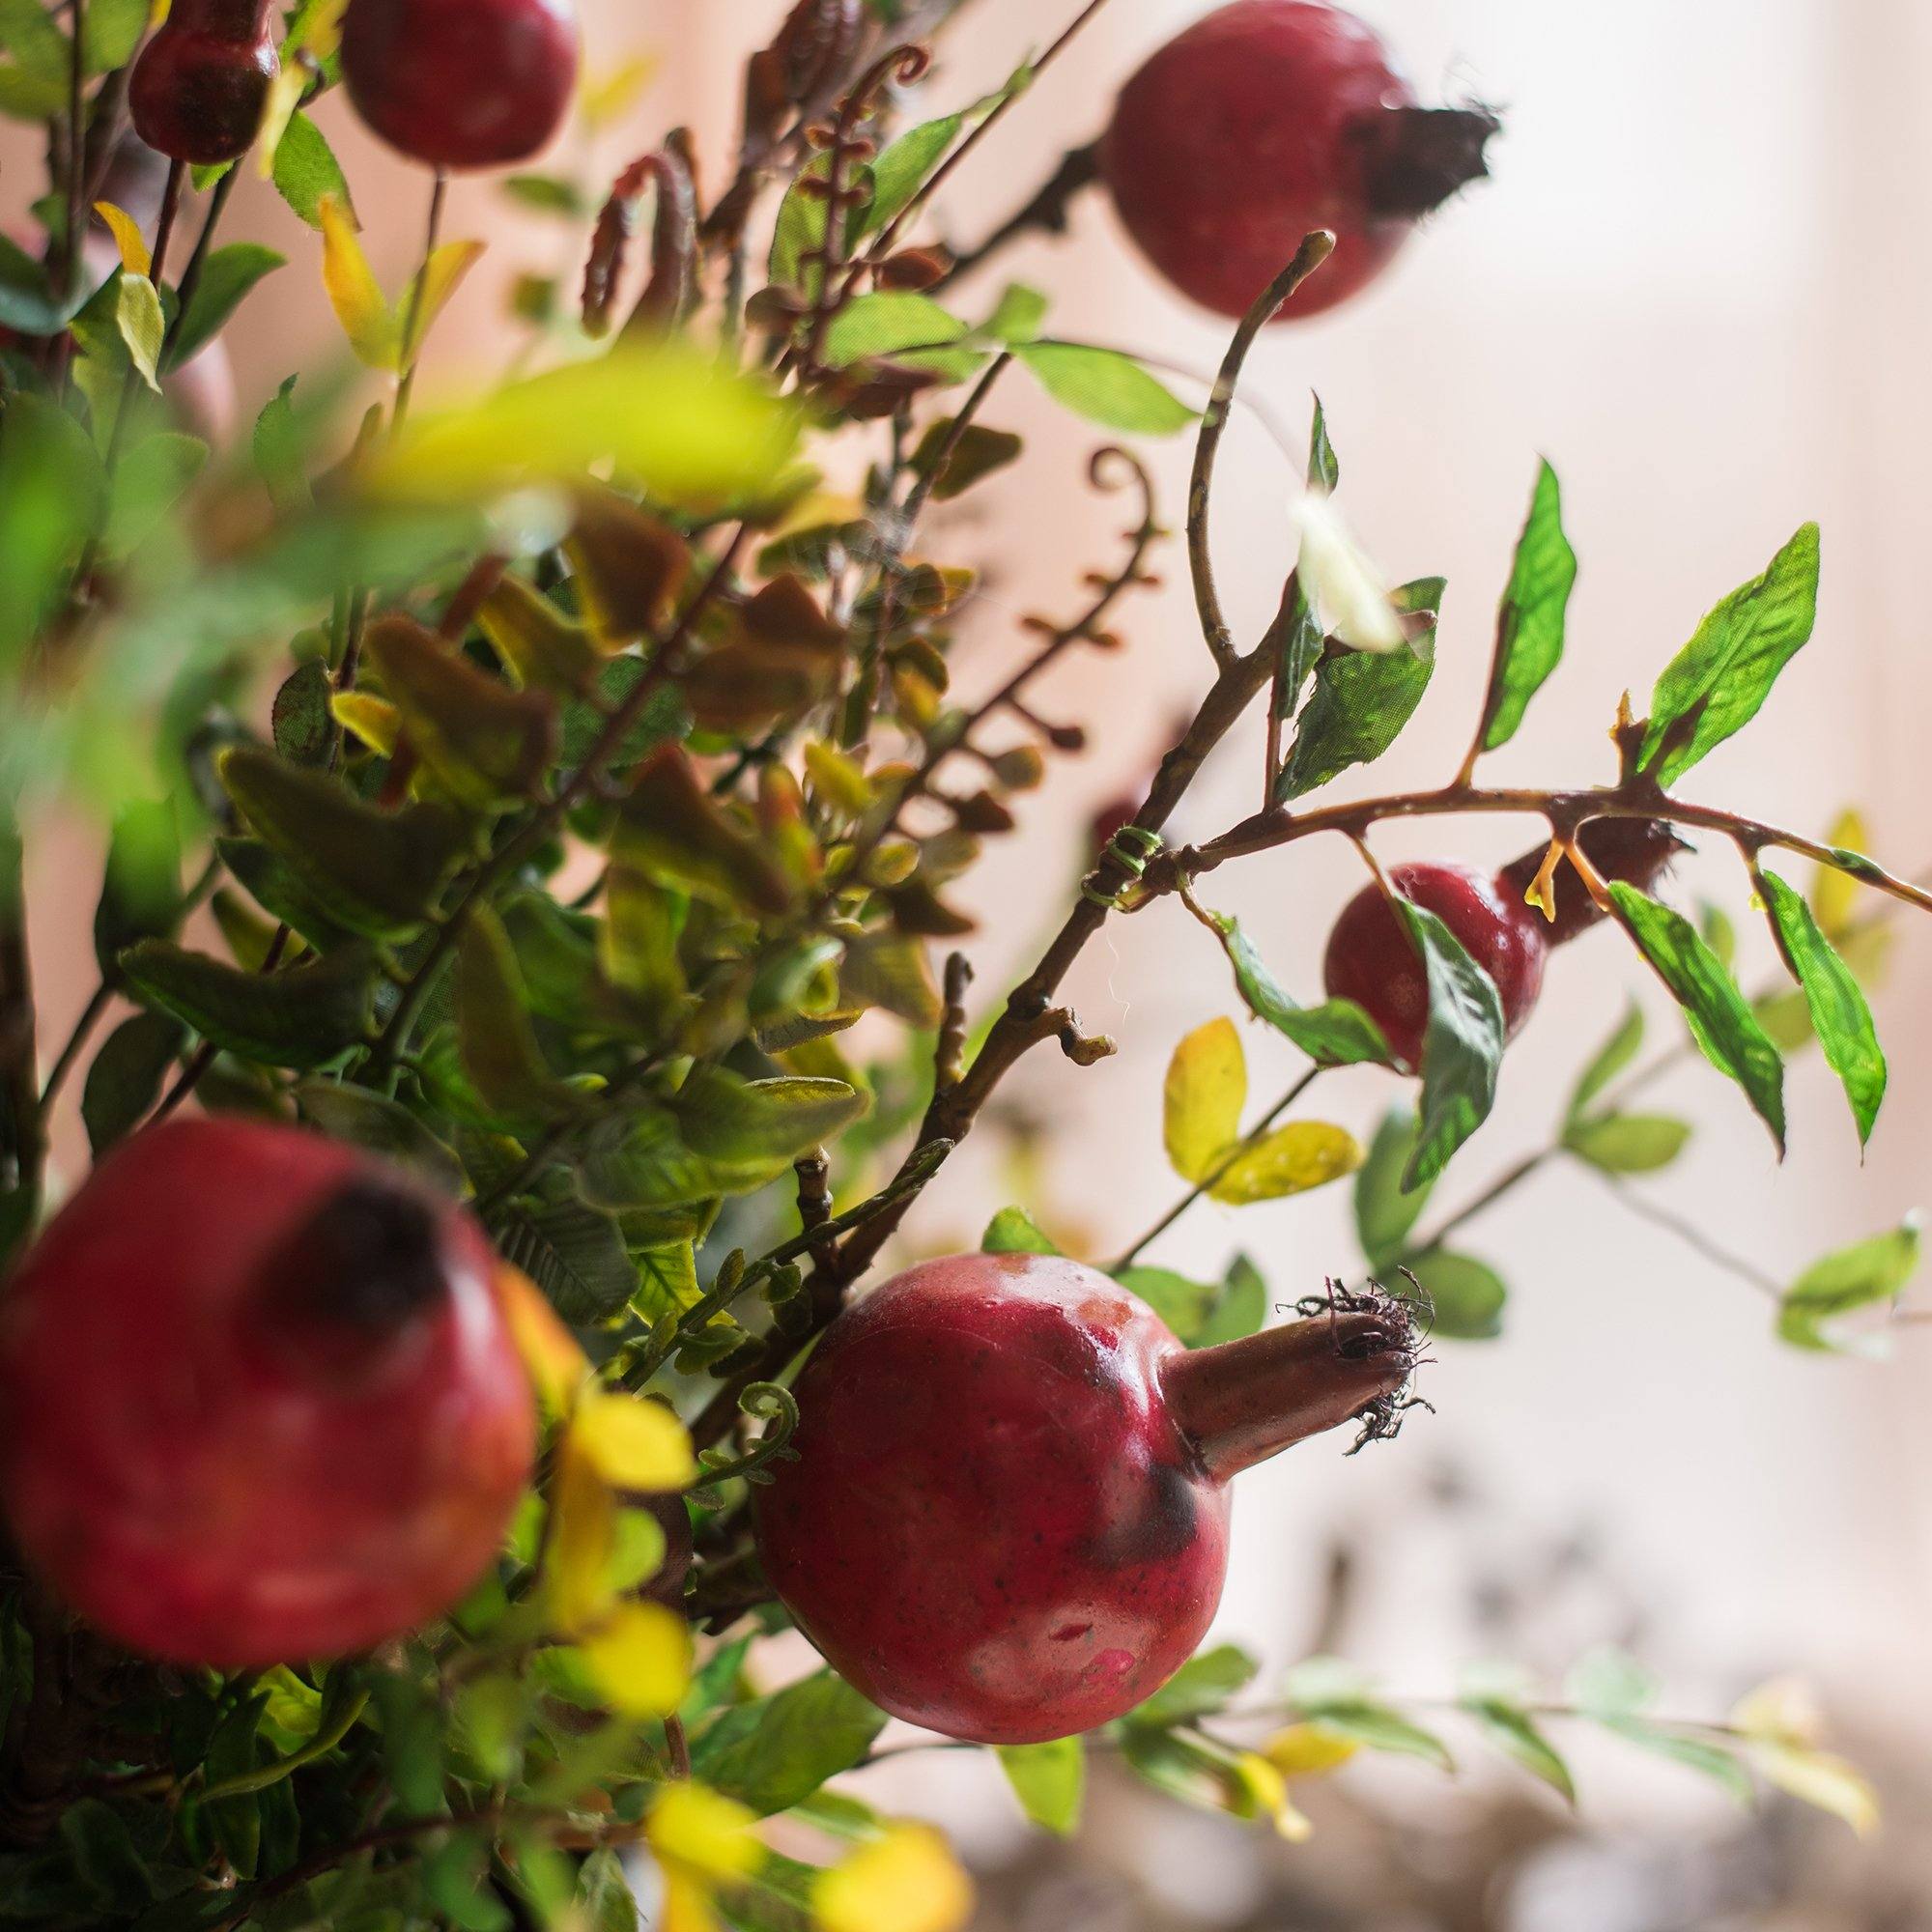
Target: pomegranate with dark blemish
(1008, 1517)
(258, 1403)
(1268, 119)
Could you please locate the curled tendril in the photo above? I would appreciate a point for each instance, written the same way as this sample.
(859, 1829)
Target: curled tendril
(1115, 467)
(898, 65)
(778, 1409)
(673, 242)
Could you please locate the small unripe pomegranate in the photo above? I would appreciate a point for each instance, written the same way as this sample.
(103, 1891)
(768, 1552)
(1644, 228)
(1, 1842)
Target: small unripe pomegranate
(257, 1401)
(1263, 121)
(1635, 850)
(197, 90)
(1008, 1517)
(460, 83)
(1373, 960)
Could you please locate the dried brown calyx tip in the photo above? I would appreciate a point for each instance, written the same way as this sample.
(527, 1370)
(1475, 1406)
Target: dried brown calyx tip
(1419, 157)
(1351, 1356)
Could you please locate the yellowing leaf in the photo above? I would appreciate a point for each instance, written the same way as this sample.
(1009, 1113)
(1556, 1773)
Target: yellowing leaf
(1817, 1779)
(354, 293)
(439, 277)
(687, 1903)
(137, 315)
(608, 95)
(1291, 1160)
(1207, 1085)
(640, 1657)
(1835, 899)
(705, 1831)
(634, 1444)
(374, 719)
(1308, 1750)
(1783, 1711)
(907, 1880)
(127, 237)
(582, 1539)
(558, 1368)
(837, 779)
(689, 429)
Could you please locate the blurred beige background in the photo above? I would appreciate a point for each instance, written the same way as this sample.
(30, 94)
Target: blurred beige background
(1697, 284)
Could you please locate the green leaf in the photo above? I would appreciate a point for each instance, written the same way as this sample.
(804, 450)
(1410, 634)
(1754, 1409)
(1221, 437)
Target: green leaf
(1628, 1143)
(301, 1018)
(1723, 1024)
(1514, 1733)
(605, 1902)
(1466, 1296)
(774, 1751)
(1105, 387)
(498, 1045)
(376, 872)
(548, 194)
(52, 493)
(140, 888)
(1012, 1230)
(1324, 469)
(1716, 683)
(1017, 315)
(1461, 1050)
(1049, 1780)
(111, 32)
(572, 1251)
(1610, 1058)
(901, 170)
(1184, 1305)
(104, 1855)
(1206, 1682)
(226, 278)
(887, 324)
(1606, 1684)
(153, 476)
(1241, 1308)
(1529, 625)
(760, 1126)
(1336, 1033)
(800, 228)
(1359, 704)
(28, 33)
(303, 726)
(1385, 1212)
(1377, 1727)
(125, 1080)
(1708, 1759)
(976, 452)
(1839, 1015)
(276, 888)
(369, 1120)
(1853, 1278)
(306, 171)
(888, 969)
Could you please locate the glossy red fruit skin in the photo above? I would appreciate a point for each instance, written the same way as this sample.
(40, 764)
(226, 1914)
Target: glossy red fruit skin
(197, 90)
(209, 1481)
(1372, 960)
(1241, 135)
(460, 83)
(995, 1529)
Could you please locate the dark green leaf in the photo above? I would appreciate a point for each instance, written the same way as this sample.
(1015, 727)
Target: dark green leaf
(1628, 1143)
(303, 725)
(977, 452)
(1324, 470)
(1842, 1283)
(1466, 1296)
(1529, 625)
(276, 888)
(1241, 1309)
(377, 873)
(1106, 388)
(499, 1045)
(1717, 681)
(1514, 1733)
(301, 1018)
(1336, 1033)
(1461, 1050)
(1204, 1684)
(1184, 1305)
(1611, 1058)
(1012, 1230)
(385, 1127)
(226, 277)
(774, 1751)
(140, 894)
(573, 1252)
(104, 1855)
(1723, 1024)
(1049, 1780)
(760, 1126)
(125, 1080)
(53, 492)
(1839, 1015)
(1384, 1211)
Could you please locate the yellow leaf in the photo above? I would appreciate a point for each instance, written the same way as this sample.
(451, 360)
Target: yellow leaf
(558, 1368)
(137, 315)
(1834, 898)
(1308, 1750)
(1783, 1711)
(582, 1542)
(689, 429)
(907, 1880)
(1207, 1085)
(632, 1443)
(1293, 1823)
(1291, 1160)
(127, 237)
(439, 277)
(320, 36)
(1262, 1792)
(608, 95)
(705, 1831)
(1817, 1779)
(687, 1903)
(354, 293)
(640, 1656)
(837, 779)
(374, 719)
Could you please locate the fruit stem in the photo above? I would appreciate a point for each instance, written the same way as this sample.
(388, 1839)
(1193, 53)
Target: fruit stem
(1419, 157)
(1239, 1402)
